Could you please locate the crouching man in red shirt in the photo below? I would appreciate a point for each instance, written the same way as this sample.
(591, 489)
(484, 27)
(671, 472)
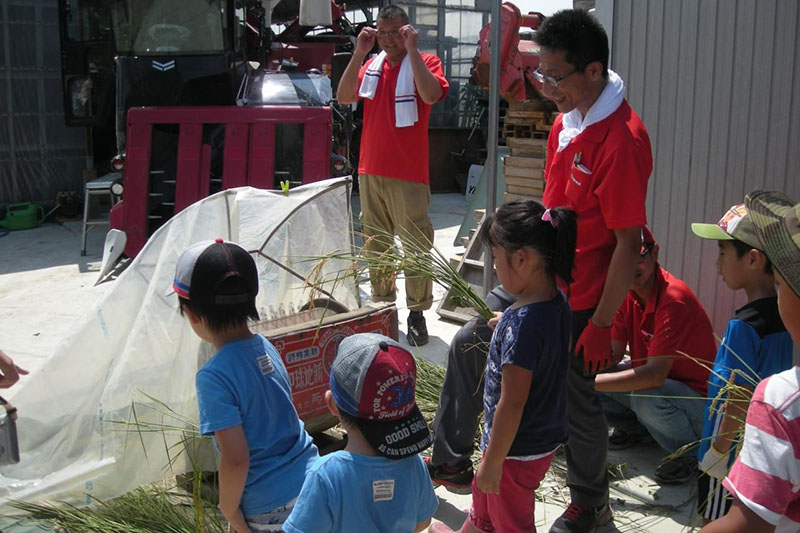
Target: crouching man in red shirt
(660, 392)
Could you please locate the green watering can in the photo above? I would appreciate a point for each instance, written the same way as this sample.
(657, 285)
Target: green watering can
(21, 216)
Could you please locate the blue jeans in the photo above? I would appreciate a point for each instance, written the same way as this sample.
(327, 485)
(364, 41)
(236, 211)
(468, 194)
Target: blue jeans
(671, 413)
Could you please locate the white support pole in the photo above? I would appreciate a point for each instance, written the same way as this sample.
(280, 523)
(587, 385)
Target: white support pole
(491, 148)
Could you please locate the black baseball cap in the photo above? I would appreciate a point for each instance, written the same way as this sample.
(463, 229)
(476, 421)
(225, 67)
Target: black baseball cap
(214, 273)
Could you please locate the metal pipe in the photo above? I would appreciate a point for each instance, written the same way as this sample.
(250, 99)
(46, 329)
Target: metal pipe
(491, 148)
(531, 20)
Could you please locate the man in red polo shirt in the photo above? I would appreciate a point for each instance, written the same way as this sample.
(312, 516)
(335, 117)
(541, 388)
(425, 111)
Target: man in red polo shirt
(662, 322)
(598, 163)
(398, 86)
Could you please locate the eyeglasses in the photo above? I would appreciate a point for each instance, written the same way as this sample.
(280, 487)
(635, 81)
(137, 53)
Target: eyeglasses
(541, 77)
(394, 34)
(647, 249)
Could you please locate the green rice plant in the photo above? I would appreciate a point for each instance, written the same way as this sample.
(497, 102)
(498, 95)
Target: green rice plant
(180, 434)
(418, 257)
(153, 508)
(430, 378)
(170, 423)
(144, 510)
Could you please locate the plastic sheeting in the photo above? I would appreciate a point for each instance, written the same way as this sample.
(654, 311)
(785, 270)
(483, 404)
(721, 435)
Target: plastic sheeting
(134, 342)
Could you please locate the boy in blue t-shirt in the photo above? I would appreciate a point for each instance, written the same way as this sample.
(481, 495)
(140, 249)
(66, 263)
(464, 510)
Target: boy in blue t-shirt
(755, 345)
(378, 482)
(243, 392)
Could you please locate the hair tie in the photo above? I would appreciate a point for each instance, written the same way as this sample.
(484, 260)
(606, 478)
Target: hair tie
(546, 217)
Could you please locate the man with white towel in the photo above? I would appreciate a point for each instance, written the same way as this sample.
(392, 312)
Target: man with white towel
(398, 86)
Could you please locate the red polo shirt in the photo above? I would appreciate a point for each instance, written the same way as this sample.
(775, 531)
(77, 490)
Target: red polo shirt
(387, 150)
(673, 322)
(602, 175)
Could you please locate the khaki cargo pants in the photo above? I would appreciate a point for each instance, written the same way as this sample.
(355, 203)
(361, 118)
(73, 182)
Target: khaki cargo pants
(395, 205)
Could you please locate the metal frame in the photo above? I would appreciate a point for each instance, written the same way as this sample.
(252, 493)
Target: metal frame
(96, 187)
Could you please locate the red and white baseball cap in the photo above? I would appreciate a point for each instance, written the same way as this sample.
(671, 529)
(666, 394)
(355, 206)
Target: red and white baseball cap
(373, 379)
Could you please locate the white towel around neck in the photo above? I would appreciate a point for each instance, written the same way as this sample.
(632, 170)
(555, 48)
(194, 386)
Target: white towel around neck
(405, 99)
(609, 101)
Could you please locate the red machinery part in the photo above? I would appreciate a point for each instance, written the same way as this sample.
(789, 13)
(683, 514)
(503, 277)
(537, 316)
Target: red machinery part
(517, 61)
(248, 157)
(532, 20)
(307, 55)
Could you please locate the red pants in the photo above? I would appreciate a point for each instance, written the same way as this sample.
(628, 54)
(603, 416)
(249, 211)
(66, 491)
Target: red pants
(510, 511)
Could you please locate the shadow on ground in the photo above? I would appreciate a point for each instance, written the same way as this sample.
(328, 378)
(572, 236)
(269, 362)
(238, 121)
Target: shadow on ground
(50, 245)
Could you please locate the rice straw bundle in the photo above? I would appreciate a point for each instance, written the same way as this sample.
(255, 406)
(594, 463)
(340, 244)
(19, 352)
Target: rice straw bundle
(418, 259)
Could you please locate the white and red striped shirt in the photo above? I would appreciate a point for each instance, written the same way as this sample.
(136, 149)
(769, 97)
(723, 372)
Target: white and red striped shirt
(766, 475)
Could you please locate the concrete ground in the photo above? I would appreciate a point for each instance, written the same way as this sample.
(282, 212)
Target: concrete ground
(45, 286)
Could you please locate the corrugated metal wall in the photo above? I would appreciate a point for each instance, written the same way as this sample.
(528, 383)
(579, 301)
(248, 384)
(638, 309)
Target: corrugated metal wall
(39, 155)
(717, 83)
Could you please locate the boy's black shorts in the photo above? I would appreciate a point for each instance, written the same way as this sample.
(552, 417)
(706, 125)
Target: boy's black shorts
(713, 500)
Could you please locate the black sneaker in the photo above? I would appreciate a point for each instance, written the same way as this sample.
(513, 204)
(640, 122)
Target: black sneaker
(676, 470)
(577, 519)
(620, 440)
(457, 479)
(417, 330)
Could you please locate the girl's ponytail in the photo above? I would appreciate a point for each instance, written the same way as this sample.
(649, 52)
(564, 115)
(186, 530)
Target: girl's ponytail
(563, 259)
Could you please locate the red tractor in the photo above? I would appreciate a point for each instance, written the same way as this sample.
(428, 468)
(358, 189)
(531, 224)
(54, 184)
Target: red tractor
(194, 96)
(197, 96)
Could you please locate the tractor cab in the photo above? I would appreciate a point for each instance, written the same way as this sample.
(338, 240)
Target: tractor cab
(119, 54)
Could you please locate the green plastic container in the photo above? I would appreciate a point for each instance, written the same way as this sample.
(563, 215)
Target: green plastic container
(21, 216)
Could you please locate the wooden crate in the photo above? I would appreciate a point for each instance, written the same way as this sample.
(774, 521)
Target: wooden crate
(527, 162)
(524, 176)
(531, 183)
(510, 197)
(522, 172)
(534, 119)
(523, 131)
(527, 147)
(525, 115)
(533, 192)
(530, 105)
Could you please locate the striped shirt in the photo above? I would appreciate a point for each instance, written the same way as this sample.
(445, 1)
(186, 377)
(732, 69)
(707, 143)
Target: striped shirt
(766, 475)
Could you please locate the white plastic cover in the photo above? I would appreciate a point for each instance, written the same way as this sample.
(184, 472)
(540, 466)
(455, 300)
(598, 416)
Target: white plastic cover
(135, 341)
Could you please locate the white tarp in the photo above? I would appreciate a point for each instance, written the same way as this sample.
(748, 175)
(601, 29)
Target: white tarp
(135, 341)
